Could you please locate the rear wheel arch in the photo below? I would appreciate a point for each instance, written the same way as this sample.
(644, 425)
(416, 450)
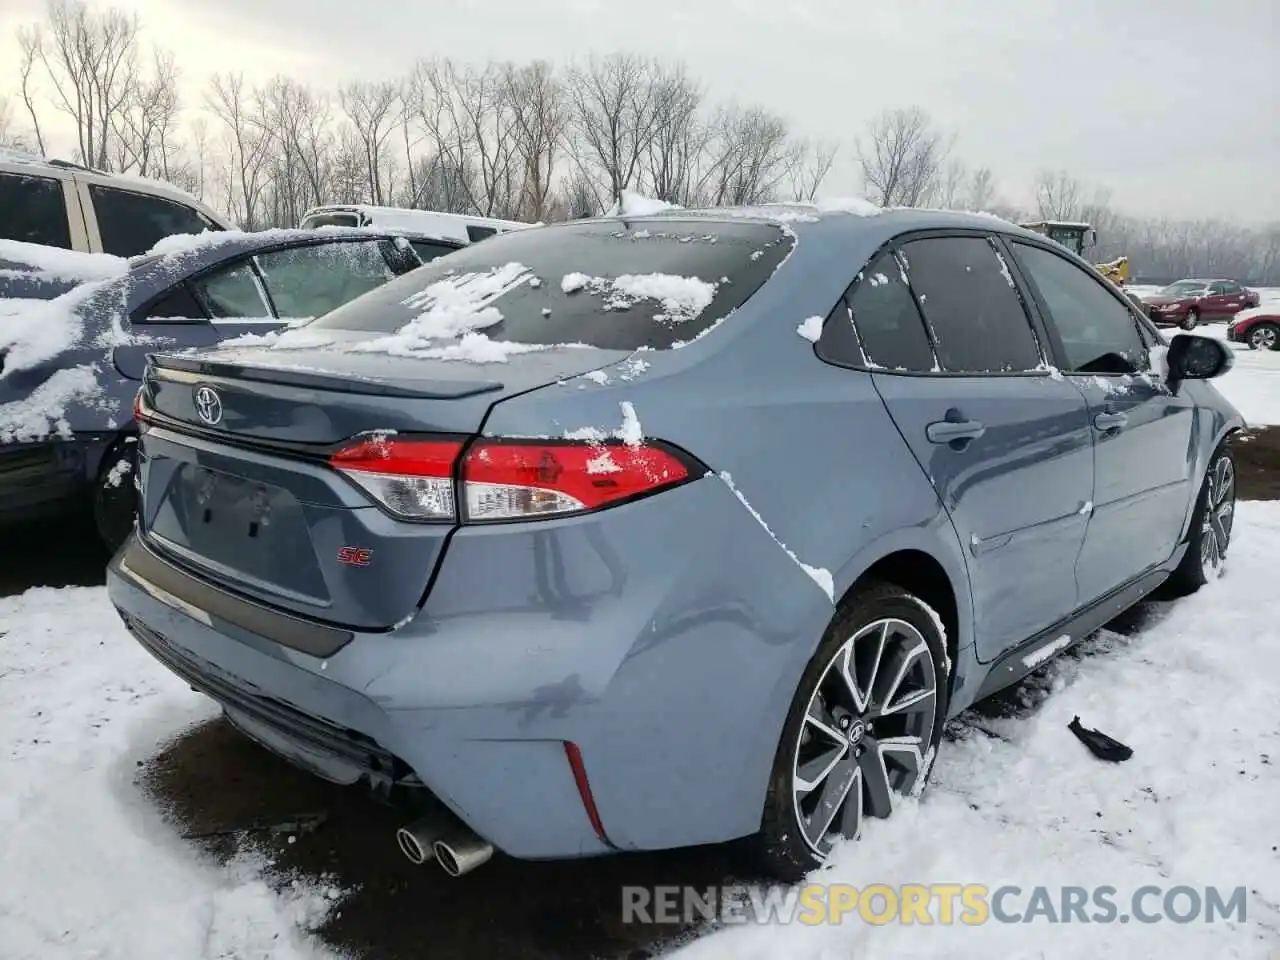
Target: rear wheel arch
(112, 501)
(924, 577)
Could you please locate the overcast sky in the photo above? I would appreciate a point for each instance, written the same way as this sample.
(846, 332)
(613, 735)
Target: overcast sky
(1174, 105)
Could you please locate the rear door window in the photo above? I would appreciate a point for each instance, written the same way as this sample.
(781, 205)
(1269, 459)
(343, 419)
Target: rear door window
(132, 223)
(887, 321)
(974, 310)
(1099, 334)
(33, 210)
(619, 287)
(310, 281)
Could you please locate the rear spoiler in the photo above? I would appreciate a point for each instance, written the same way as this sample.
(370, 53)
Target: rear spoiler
(173, 367)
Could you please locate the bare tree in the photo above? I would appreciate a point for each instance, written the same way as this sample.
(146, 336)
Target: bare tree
(750, 157)
(613, 114)
(949, 188)
(1059, 196)
(373, 111)
(810, 163)
(145, 127)
(29, 44)
(230, 101)
(982, 189)
(901, 157)
(298, 122)
(680, 136)
(90, 59)
(539, 116)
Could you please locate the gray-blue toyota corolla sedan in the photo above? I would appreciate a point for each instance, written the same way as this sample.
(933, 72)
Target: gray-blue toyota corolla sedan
(635, 533)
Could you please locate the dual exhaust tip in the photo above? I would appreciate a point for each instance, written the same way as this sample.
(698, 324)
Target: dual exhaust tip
(452, 845)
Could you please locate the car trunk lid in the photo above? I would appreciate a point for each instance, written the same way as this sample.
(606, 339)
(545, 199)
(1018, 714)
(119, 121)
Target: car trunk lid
(238, 488)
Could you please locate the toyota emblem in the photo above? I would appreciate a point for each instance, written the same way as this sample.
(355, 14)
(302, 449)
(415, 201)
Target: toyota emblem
(208, 406)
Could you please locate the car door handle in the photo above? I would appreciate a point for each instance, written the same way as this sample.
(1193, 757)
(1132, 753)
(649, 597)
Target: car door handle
(948, 431)
(1110, 421)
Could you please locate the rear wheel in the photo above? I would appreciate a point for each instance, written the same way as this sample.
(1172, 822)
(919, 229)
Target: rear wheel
(1191, 319)
(863, 727)
(1211, 524)
(1265, 336)
(115, 499)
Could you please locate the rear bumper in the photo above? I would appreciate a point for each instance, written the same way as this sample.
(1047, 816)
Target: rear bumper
(625, 634)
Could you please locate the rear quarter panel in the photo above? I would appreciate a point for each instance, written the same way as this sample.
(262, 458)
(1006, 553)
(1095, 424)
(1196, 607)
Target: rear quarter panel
(807, 448)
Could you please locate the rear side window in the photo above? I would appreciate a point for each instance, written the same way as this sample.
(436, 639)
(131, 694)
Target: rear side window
(968, 298)
(887, 320)
(312, 280)
(609, 285)
(176, 305)
(33, 210)
(133, 223)
(479, 233)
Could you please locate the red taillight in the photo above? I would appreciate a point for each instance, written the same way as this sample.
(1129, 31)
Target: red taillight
(411, 478)
(140, 409)
(505, 479)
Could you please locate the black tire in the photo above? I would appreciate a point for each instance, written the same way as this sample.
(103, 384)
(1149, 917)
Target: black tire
(115, 499)
(872, 759)
(1210, 534)
(1264, 336)
(1190, 321)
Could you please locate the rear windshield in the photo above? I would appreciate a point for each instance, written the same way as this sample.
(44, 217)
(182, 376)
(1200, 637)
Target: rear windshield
(330, 220)
(610, 285)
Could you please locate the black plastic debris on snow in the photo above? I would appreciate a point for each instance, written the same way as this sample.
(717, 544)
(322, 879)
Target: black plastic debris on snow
(1099, 744)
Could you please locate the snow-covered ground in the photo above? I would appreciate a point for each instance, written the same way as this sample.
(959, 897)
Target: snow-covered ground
(88, 866)
(92, 869)
(1194, 696)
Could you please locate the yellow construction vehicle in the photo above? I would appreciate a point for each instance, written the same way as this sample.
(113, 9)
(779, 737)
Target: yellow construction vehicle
(1079, 237)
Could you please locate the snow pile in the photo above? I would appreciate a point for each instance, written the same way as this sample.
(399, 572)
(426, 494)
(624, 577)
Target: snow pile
(457, 305)
(102, 874)
(44, 410)
(682, 298)
(1019, 801)
(857, 206)
(811, 329)
(58, 263)
(635, 205)
(36, 331)
(631, 432)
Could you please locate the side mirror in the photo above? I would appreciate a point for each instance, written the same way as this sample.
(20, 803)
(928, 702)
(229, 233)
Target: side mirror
(1197, 358)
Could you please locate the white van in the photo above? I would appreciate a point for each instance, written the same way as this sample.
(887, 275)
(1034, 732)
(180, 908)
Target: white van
(454, 226)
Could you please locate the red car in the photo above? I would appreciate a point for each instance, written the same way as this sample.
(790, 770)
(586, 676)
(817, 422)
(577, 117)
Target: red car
(1259, 328)
(1188, 302)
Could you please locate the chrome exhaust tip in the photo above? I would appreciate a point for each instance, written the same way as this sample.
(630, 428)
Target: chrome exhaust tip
(461, 851)
(417, 839)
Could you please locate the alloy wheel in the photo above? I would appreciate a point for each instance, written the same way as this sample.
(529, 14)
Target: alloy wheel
(1263, 338)
(866, 733)
(1219, 510)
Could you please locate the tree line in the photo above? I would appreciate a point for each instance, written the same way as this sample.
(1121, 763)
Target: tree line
(524, 141)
